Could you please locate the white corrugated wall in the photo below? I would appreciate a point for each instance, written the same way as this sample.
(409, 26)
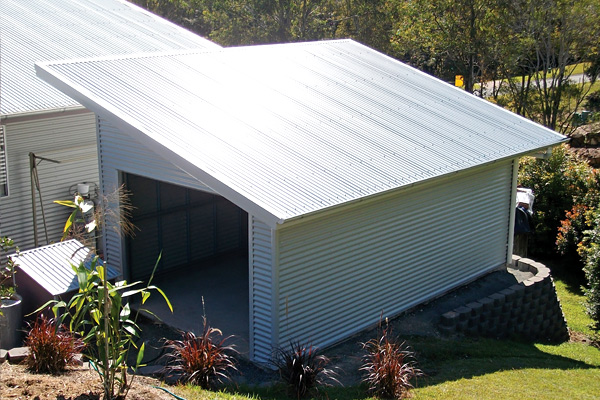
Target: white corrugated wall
(68, 137)
(120, 153)
(332, 274)
(339, 272)
(262, 289)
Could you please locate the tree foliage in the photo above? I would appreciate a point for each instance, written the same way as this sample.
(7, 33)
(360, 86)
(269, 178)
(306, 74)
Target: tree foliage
(516, 51)
(550, 36)
(447, 37)
(245, 22)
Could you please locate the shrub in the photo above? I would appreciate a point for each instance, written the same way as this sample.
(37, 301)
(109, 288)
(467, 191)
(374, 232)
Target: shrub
(589, 249)
(7, 271)
(559, 183)
(389, 366)
(51, 347)
(302, 369)
(571, 230)
(201, 360)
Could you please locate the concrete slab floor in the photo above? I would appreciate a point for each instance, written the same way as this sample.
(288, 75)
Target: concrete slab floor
(223, 283)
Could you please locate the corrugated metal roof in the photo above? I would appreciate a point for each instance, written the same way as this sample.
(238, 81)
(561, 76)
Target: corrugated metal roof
(50, 266)
(44, 30)
(288, 130)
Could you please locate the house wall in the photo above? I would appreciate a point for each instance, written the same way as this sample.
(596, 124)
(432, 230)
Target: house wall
(340, 272)
(68, 137)
(120, 154)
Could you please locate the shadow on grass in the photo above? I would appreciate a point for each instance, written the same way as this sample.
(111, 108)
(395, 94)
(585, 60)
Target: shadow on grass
(278, 392)
(449, 360)
(446, 360)
(567, 269)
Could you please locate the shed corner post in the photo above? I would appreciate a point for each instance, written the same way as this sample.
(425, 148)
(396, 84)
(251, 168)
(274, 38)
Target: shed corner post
(275, 288)
(512, 212)
(263, 290)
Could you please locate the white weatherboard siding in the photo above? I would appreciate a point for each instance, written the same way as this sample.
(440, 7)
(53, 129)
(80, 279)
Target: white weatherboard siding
(262, 290)
(66, 137)
(119, 153)
(41, 119)
(338, 274)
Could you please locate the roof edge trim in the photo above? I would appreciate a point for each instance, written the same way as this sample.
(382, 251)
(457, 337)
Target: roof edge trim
(29, 115)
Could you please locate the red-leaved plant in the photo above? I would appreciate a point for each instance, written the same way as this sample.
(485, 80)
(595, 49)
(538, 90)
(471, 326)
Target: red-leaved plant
(302, 368)
(204, 360)
(389, 366)
(51, 347)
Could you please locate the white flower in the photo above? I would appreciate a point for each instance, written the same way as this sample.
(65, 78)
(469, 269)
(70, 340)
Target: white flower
(91, 226)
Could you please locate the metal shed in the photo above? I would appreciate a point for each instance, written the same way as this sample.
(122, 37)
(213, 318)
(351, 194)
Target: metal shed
(368, 186)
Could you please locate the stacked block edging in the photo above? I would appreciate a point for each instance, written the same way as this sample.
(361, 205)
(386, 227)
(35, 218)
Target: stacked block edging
(529, 310)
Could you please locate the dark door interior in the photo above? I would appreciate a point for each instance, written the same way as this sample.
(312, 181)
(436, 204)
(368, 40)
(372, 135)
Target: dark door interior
(187, 225)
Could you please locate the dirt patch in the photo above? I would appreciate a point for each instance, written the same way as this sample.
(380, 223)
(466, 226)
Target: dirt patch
(77, 383)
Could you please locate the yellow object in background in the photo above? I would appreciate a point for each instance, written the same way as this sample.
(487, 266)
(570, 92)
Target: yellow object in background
(459, 81)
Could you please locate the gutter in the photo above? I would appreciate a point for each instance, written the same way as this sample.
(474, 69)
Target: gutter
(40, 114)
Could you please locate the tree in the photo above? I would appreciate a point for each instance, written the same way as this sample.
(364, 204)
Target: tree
(549, 37)
(368, 21)
(447, 38)
(246, 22)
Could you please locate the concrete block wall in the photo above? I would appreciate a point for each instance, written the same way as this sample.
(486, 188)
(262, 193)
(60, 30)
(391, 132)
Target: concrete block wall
(529, 310)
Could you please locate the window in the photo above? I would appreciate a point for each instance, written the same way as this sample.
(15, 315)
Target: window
(3, 163)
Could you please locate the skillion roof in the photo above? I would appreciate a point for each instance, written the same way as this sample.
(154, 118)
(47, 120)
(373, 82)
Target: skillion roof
(288, 130)
(43, 30)
(51, 266)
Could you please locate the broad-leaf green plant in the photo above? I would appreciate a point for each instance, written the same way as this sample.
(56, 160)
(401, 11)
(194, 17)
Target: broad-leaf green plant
(77, 217)
(100, 313)
(589, 249)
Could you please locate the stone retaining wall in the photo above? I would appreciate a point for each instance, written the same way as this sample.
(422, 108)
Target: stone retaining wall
(529, 310)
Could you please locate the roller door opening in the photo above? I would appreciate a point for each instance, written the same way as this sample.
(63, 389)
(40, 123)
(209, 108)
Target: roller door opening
(189, 227)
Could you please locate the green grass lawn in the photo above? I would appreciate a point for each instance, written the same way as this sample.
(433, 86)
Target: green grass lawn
(482, 368)
(489, 369)
(572, 301)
